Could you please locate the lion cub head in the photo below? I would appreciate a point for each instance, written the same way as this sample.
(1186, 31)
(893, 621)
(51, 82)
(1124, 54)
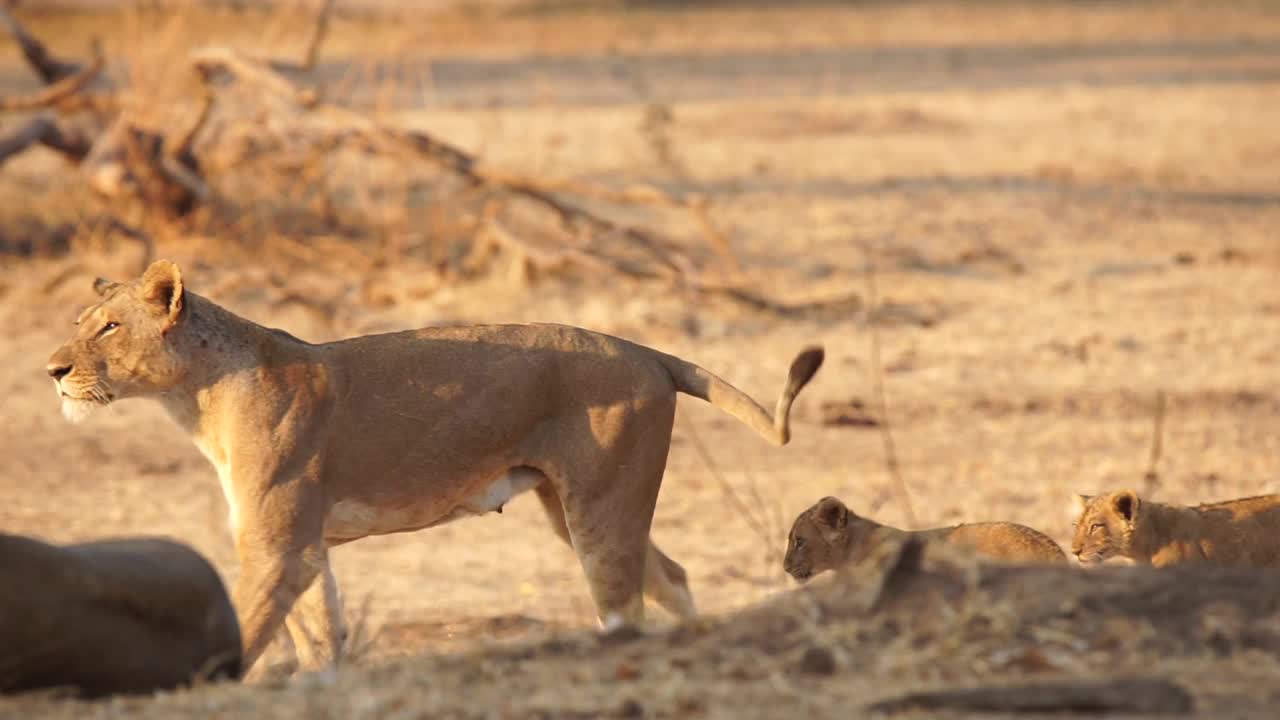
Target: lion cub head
(1106, 526)
(821, 538)
(120, 346)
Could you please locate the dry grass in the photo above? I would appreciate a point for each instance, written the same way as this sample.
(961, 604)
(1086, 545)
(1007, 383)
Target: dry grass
(1057, 251)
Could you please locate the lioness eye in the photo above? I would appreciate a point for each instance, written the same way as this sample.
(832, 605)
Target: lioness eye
(108, 328)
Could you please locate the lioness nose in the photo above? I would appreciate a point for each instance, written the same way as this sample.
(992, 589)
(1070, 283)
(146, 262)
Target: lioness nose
(57, 371)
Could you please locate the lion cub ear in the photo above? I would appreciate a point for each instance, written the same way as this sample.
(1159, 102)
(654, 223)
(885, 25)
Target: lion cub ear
(832, 513)
(1125, 503)
(103, 286)
(162, 285)
(1081, 501)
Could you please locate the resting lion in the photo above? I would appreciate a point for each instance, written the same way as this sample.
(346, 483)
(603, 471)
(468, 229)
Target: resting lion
(1243, 532)
(127, 615)
(318, 445)
(828, 535)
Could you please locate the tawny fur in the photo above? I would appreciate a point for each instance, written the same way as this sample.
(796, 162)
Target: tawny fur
(317, 445)
(1243, 532)
(828, 534)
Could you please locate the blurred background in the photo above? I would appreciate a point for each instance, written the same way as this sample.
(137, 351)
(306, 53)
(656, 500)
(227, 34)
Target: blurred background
(1038, 239)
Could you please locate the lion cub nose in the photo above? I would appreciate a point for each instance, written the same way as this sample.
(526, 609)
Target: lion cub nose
(57, 371)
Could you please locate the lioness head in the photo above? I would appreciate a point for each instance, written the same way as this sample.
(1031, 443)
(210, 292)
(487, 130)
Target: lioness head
(818, 539)
(121, 345)
(1106, 526)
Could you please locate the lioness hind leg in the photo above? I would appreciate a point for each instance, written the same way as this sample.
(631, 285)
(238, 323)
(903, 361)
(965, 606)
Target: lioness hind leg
(608, 492)
(665, 581)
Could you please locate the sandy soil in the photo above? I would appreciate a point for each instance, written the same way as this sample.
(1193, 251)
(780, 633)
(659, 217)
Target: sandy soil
(1056, 241)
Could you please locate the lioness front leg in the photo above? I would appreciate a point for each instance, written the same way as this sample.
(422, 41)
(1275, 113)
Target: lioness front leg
(282, 554)
(315, 623)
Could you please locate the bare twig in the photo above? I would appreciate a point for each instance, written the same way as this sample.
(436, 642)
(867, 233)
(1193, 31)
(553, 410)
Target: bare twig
(1151, 478)
(318, 34)
(49, 68)
(59, 91)
(209, 61)
(877, 385)
(180, 145)
(758, 524)
(44, 131)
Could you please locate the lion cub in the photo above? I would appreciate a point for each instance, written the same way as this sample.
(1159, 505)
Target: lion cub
(829, 534)
(1235, 532)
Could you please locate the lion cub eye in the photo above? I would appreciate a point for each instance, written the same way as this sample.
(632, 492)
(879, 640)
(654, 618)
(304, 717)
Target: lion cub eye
(108, 328)
(1096, 526)
(799, 543)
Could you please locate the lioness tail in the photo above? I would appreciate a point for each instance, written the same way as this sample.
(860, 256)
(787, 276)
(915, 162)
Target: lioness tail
(696, 381)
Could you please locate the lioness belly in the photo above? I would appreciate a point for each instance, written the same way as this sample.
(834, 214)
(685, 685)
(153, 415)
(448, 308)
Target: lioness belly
(352, 519)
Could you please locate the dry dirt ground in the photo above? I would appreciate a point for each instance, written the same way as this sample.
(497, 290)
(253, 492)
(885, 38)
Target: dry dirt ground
(1070, 208)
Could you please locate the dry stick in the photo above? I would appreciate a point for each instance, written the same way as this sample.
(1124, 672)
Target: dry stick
(49, 68)
(1151, 478)
(58, 92)
(318, 34)
(759, 527)
(877, 384)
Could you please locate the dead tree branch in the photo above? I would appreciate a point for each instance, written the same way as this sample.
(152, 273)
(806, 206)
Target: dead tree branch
(160, 168)
(49, 68)
(59, 91)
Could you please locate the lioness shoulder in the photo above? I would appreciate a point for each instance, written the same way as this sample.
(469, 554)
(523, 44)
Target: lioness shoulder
(828, 534)
(1245, 531)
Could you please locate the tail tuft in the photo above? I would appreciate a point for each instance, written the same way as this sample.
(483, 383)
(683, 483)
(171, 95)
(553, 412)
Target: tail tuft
(697, 382)
(803, 368)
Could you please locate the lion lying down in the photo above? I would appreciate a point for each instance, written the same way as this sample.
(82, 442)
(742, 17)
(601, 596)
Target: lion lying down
(828, 535)
(1243, 532)
(130, 615)
(318, 445)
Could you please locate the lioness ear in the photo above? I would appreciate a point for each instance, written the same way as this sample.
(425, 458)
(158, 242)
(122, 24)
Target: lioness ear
(102, 286)
(832, 513)
(1126, 504)
(162, 285)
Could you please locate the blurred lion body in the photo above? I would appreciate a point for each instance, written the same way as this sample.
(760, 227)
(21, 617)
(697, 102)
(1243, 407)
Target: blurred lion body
(1244, 532)
(320, 444)
(827, 535)
(129, 615)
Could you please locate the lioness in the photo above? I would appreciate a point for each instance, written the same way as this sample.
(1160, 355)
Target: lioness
(828, 535)
(1244, 532)
(318, 445)
(125, 615)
